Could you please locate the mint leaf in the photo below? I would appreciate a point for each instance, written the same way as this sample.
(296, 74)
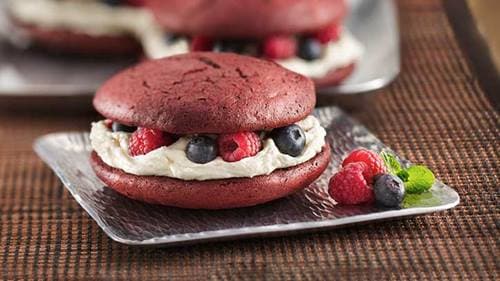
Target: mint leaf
(391, 163)
(417, 178)
(403, 175)
(420, 179)
(424, 199)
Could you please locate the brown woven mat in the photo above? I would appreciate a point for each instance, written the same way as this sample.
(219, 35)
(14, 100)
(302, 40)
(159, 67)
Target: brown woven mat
(435, 113)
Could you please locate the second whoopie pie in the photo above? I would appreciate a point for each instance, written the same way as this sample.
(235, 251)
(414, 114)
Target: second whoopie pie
(306, 36)
(207, 130)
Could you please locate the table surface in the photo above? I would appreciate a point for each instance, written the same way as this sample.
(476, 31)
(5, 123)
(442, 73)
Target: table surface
(436, 113)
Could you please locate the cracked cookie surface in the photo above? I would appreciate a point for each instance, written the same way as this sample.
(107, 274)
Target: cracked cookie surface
(206, 93)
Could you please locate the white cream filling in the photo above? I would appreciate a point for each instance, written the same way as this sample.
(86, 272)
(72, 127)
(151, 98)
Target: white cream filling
(171, 161)
(91, 17)
(96, 18)
(337, 54)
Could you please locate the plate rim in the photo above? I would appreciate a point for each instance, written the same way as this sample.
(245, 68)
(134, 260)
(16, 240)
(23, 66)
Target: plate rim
(377, 83)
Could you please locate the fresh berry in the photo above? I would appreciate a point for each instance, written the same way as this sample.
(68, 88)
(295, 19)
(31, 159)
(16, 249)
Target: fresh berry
(236, 146)
(328, 34)
(201, 43)
(371, 159)
(290, 140)
(349, 186)
(172, 37)
(108, 123)
(118, 127)
(389, 190)
(144, 140)
(201, 149)
(310, 49)
(234, 46)
(112, 2)
(279, 47)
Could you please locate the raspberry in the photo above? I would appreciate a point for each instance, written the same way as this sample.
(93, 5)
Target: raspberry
(236, 146)
(371, 159)
(144, 140)
(108, 123)
(349, 186)
(201, 43)
(279, 47)
(329, 33)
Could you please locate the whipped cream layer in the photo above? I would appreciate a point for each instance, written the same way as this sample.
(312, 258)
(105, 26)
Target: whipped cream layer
(337, 54)
(96, 18)
(171, 161)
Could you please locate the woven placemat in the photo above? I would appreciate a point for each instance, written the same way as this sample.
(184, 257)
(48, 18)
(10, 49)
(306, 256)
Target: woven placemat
(435, 113)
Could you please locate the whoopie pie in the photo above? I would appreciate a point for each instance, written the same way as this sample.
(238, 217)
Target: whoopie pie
(305, 36)
(88, 27)
(207, 130)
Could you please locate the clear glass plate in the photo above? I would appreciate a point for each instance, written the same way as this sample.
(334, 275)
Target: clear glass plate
(135, 223)
(29, 73)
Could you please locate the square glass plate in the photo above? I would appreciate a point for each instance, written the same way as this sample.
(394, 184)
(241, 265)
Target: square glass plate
(135, 223)
(31, 73)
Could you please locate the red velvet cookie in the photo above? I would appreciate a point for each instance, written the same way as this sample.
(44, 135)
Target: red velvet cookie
(334, 77)
(246, 19)
(206, 93)
(71, 42)
(221, 107)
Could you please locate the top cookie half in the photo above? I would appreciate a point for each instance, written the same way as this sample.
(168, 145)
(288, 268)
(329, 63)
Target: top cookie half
(206, 93)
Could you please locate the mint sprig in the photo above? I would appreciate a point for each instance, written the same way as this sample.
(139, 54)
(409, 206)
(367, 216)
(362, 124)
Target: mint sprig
(416, 178)
(391, 162)
(420, 179)
(403, 175)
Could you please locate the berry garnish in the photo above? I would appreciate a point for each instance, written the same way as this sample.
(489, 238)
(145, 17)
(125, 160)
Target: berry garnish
(309, 49)
(144, 140)
(118, 127)
(201, 149)
(290, 140)
(389, 190)
(392, 182)
(236, 146)
(201, 43)
(373, 161)
(349, 185)
(328, 34)
(279, 47)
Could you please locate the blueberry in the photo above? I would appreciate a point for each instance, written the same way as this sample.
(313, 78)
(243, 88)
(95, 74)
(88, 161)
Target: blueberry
(310, 49)
(112, 2)
(290, 140)
(117, 127)
(235, 46)
(389, 190)
(201, 149)
(170, 38)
